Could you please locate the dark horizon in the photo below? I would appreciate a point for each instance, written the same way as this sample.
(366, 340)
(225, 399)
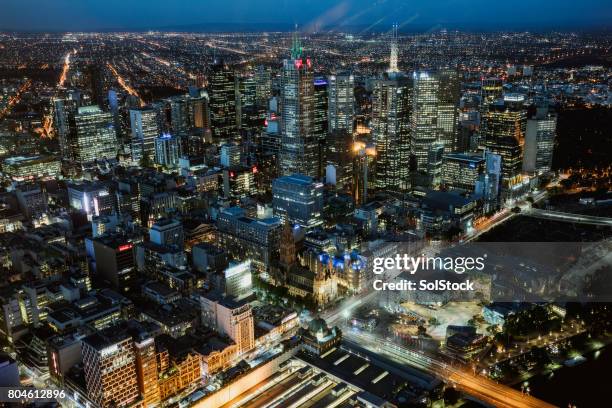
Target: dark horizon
(203, 28)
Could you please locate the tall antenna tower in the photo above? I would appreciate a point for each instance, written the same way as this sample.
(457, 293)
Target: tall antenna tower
(393, 59)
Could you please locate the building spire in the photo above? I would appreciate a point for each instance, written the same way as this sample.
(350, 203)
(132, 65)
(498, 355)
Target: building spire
(296, 46)
(393, 58)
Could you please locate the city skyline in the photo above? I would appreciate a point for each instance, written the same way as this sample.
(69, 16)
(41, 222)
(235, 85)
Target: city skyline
(308, 218)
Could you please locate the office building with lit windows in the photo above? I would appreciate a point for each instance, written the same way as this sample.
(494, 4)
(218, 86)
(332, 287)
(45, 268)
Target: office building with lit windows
(462, 171)
(231, 318)
(19, 168)
(341, 105)
(540, 142)
(96, 136)
(239, 182)
(249, 238)
(424, 119)
(449, 94)
(299, 143)
(167, 151)
(238, 280)
(110, 369)
(223, 119)
(391, 110)
(145, 127)
(146, 369)
(93, 198)
(298, 199)
(491, 90)
(503, 132)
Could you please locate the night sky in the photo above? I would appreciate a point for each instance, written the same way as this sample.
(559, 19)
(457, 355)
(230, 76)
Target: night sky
(311, 15)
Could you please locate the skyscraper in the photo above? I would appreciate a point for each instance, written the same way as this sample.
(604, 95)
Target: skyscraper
(146, 370)
(110, 369)
(167, 151)
(341, 106)
(320, 120)
(449, 93)
(339, 154)
(424, 129)
(540, 141)
(222, 102)
(179, 114)
(145, 125)
(503, 130)
(299, 144)
(96, 138)
(64, 110)
(263, 87)
(391, 107)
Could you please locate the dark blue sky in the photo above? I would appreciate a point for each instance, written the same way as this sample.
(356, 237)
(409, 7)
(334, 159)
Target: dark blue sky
(67, 15)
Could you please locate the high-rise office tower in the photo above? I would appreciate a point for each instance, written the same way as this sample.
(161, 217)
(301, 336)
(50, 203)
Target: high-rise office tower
(341, 105)
(263, 87)
(96, 137)
(299, 144)
(424, 129)
(167, 151)
(391, 108)
(200, 112)
(298, 199)
(146, 370)
(503, 132)
(223, 102)
(64, 111)
(540, 141)
(320, 120)
(449, 93)
(339, 155)
(146, 126)
(180, 115)
(247, 90)
(110, 369)
(365, 157)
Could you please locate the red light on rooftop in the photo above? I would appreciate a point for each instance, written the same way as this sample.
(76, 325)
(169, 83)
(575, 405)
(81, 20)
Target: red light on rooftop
(125, 247)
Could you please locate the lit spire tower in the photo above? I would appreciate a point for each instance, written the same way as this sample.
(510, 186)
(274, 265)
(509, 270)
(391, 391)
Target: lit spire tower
(393, 60)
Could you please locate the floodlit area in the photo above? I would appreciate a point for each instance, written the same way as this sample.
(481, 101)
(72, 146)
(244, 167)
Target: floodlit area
(453, 313)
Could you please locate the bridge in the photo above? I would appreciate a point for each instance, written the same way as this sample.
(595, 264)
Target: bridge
(568, 217)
